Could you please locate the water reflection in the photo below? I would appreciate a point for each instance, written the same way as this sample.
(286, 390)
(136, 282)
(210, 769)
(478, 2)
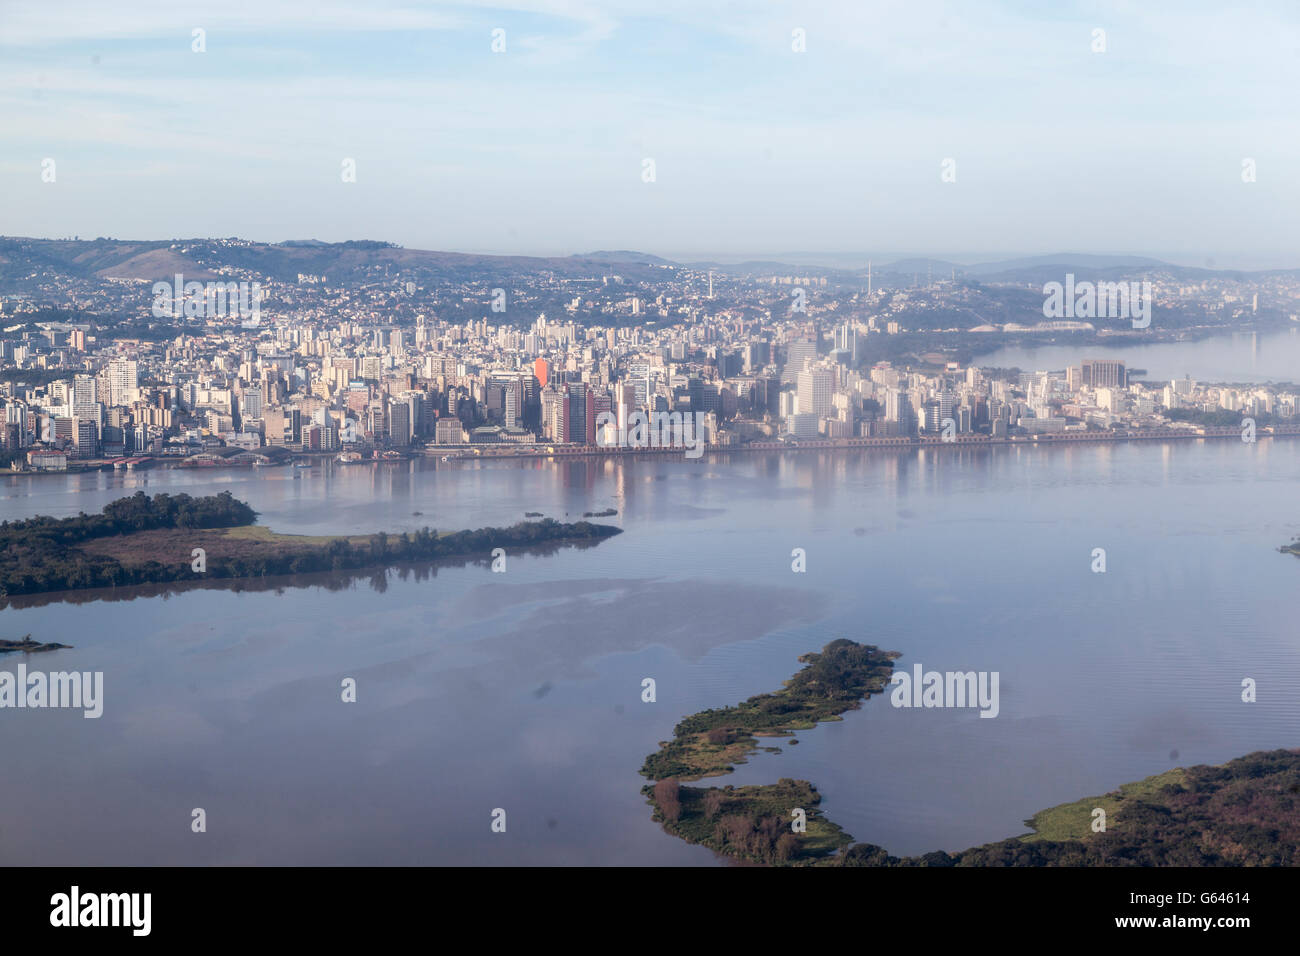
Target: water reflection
(377, 578)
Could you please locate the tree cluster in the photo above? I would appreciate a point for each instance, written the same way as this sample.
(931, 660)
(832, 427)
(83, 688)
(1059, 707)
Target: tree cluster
(40, 554)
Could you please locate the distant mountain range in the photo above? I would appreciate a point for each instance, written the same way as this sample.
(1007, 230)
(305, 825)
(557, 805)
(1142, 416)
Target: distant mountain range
(624, 257)
(372, 261)
(1065, 260)
(357, 261)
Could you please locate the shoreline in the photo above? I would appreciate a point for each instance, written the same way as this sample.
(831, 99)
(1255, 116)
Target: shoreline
(1207, 432)
(567, 452)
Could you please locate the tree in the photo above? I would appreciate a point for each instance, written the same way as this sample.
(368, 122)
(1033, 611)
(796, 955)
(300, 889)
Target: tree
(787, 847)
(668, 799)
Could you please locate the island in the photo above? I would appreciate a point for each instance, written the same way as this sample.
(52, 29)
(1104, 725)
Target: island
(176, 538)
(1243, 813)
(28, 646)
(754, 823)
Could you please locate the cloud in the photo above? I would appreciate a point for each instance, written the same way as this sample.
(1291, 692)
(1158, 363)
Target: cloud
(754, 144)
(30, 22)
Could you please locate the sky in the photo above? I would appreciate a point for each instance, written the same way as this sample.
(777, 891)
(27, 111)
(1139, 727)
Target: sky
(758, 147)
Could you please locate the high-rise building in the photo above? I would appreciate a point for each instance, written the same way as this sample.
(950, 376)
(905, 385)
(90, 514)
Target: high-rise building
(292, 426)
(559, 419)
(625, 404)
(123, 378)
(933, 418)
(642, 378)
(898, 408)
(85, 396)
(399, 423)
(965, 419)
(85, 436)
(250, 403)
(514, 402)
(946, 403)
(575, 423)
(797, 353)
(846, 340)
(598, 404)
(815, 391)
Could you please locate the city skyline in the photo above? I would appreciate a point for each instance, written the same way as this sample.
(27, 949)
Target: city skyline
(375, 357)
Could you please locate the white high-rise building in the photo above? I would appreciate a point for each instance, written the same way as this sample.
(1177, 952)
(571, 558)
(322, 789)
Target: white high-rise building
(123, 382)
(85, 399)
(250, 404)
(642, 379)
(85, 391)
(815, 390)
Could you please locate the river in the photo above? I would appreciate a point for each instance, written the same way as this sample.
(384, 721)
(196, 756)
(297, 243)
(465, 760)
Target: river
(522, 690)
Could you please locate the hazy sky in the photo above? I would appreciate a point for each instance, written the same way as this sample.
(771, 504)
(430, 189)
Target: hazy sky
(757, 148)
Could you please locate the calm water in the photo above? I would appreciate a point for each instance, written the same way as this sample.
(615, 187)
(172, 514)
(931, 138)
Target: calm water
(1242, 357)
(522, 690)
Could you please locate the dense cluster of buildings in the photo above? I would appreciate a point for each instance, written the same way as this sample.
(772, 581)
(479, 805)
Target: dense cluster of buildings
(369, 379)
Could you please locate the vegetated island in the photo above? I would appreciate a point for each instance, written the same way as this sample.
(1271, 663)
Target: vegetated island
(1243, 813)
(28, 646)
(754, 823)
(143, 540)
